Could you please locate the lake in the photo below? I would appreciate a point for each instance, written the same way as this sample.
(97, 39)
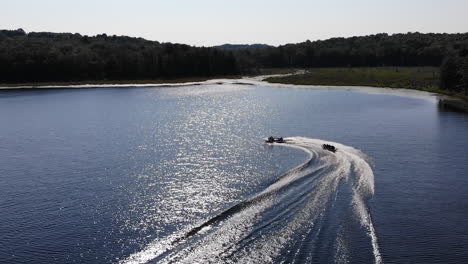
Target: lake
(182, 175)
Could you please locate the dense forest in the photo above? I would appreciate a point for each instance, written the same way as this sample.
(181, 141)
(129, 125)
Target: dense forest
(405, 50)
(47, 57)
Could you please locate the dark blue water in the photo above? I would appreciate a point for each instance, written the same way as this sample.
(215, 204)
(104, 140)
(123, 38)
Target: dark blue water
(182, 175)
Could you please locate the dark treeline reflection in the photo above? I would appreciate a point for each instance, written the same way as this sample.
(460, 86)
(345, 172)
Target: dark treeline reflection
(73, 57)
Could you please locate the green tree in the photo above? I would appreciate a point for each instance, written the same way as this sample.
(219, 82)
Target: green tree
(463, 72)
(449, 74)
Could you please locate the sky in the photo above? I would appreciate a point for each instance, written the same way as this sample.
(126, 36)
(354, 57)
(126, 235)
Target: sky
(211, 22)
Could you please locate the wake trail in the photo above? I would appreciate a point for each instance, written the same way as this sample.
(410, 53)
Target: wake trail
(261, 228)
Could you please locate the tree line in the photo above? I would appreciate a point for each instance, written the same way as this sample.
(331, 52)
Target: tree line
(410, 49)
(44, 56)
(454, 73)
(448, 51)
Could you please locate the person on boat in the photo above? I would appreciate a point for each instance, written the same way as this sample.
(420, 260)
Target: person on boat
(329, 147)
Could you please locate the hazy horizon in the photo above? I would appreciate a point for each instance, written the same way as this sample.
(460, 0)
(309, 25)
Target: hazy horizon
(210, 23)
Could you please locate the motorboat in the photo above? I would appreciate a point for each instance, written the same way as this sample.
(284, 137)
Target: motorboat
(329, 147)
(275, 140)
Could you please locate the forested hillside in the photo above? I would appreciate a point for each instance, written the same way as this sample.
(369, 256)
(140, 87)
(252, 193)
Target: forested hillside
(406, 50)
(46, 57)
(411, 49)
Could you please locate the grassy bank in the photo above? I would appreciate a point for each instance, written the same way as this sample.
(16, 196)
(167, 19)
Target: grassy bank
(418, 78)
(421, 78)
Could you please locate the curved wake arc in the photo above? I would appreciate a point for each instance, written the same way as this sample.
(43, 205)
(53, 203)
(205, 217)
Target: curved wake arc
(314, 212)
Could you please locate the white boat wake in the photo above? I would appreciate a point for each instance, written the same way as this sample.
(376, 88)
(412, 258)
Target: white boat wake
(316, 212)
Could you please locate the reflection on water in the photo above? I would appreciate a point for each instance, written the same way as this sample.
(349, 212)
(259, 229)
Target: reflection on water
(113, 175)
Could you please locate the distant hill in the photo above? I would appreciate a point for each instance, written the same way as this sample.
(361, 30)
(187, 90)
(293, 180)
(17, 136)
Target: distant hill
(242, 46)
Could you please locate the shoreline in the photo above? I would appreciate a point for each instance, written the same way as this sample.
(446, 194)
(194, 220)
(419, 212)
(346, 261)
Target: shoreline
(445, 100)
(110, 83)
(453, 104)
(422, 79)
